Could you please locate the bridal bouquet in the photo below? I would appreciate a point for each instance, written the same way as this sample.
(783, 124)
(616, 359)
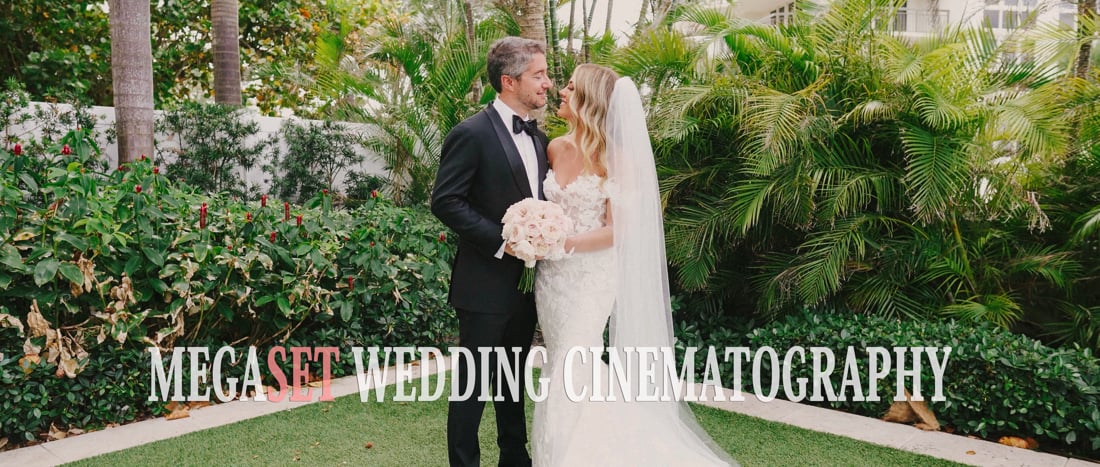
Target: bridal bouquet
(535, 229)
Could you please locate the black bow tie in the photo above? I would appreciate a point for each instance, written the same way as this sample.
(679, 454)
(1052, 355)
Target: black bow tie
(526, 126)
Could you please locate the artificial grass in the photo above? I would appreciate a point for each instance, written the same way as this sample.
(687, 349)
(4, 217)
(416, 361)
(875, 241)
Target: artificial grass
(414, 434)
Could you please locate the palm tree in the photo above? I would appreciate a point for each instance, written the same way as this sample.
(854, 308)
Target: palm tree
(531, 19)
(132, 77)
(832, 164)
(227, 55)
(1086, 27)
(411, 86)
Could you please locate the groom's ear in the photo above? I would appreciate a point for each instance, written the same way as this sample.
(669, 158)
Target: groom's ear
(507, 83)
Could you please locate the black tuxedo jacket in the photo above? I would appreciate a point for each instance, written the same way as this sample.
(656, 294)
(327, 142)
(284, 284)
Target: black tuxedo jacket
(480, 175)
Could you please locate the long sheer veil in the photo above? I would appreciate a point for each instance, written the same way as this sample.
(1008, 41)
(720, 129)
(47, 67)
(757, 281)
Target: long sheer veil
(643, 314)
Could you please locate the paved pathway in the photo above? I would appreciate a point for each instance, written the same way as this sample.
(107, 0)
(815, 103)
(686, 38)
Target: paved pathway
(903, 437)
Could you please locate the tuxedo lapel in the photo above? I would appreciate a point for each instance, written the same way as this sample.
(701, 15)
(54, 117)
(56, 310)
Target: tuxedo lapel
(544, 165)
(519, 173)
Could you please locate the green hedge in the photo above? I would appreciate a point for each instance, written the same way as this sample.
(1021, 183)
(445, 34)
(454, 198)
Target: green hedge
(996, 383)
(95, 267)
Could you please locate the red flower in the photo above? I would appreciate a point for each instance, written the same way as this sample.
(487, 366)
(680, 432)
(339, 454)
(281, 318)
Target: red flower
(272, 237)
(351, 282)
(18, 149)
(324, 192)
(286, 211)
(442, 236)
(374, 193)
(371, 243)
(263, 201)
(143, 158)
(156, 170)
(137, 188)
(299, 220)
(248, 217)
(66, 150)
(202, 216)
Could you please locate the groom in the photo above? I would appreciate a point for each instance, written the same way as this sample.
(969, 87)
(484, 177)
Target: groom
(489, 162)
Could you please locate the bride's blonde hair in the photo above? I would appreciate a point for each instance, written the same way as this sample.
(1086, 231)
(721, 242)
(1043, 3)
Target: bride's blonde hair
(592, 87)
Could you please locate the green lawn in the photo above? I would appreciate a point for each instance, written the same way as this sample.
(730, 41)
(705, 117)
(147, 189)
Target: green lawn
(413, 434)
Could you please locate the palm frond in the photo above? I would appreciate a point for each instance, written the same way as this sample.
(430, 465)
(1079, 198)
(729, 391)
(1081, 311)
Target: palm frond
(1000, 310)
(937, 171)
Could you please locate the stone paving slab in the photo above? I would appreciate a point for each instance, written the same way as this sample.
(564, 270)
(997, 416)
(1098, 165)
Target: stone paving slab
(895, 435)
(904, 437)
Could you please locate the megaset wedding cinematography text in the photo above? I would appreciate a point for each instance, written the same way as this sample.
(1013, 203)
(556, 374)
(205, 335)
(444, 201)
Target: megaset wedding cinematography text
(631, 374)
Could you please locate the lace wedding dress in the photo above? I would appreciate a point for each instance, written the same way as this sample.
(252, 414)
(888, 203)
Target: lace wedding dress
(575, 298)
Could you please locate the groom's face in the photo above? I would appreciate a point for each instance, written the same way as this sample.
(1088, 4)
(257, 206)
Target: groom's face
(531, 86)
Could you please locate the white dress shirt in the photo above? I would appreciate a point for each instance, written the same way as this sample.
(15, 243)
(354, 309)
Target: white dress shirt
(525, 144)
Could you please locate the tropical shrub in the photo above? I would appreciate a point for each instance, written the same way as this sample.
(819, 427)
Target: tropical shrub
(94, 265)
(211, 146)
(996, 383)
(830, 163)
(316, 155)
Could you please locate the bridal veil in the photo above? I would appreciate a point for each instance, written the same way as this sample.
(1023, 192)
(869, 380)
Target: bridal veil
(642, 316)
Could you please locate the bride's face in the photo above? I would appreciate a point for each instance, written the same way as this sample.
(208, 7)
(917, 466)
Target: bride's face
(564, 110)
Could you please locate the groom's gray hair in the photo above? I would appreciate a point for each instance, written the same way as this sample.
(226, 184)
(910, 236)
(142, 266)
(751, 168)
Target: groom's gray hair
(509, 56)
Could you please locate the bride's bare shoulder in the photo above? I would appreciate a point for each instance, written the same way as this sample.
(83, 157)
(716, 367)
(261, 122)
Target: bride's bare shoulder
(559, 146)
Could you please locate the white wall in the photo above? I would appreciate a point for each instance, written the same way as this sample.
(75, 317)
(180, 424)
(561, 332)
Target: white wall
(921, 18)
(268, 126)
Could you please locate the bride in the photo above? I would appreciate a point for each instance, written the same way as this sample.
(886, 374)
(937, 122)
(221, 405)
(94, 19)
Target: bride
(603, 175)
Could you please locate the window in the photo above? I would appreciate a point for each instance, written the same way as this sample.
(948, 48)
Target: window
(1067, 14)
(782, 15)
(1008, 14)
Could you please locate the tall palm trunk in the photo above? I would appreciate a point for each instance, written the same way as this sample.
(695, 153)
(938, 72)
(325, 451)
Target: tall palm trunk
(1085, 9)
(641, 15)
(607, 25)
(572, 23)
(227, 53)
(471, 42)
(552, 37)
(588, 13)
(531, 23)
(132, 77)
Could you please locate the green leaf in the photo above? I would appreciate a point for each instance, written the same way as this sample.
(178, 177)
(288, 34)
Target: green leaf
(28, 180)
(76, 242)
(72, 273)
(154, 255)
(284, 305)
(132, 265)
(45, 271)
(302, 249)
(5, 280)
(346, 311)
(10, 257)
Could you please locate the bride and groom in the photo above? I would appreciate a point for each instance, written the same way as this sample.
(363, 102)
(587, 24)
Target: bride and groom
(602, 174)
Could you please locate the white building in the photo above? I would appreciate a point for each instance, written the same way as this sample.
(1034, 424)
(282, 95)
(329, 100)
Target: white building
(919, 17)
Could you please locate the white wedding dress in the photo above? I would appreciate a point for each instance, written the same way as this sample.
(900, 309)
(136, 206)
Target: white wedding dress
(575, 297)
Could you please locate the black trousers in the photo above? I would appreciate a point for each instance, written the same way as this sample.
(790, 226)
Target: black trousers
(464, 416)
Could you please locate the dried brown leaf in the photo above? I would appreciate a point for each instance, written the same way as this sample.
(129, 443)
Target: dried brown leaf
(55, 433)
(38, 324)
(181, 411)
(1013, 441)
